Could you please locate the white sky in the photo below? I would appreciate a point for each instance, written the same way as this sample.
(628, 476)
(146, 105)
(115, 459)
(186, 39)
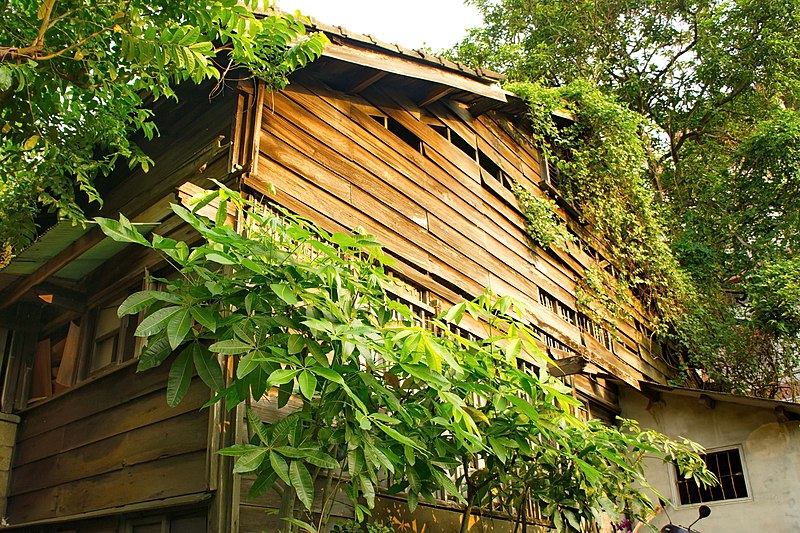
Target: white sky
(437, 24)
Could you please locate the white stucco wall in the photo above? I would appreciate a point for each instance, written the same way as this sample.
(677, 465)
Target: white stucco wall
(770, 452)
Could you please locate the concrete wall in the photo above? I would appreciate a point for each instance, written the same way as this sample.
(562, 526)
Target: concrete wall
(8, 435)
(770, 452)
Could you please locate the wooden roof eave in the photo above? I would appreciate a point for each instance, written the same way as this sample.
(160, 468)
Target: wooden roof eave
(343, 51)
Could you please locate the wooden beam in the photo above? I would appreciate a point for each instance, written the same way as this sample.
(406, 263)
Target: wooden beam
(436, 93)
(568, 366)
(482, 106)
(53, 265)
(411, 69)
(364, 80)
(60, 296)
(94, 236)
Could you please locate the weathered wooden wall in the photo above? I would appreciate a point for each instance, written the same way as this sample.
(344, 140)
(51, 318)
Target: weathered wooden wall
(455, 227)
(109, 443)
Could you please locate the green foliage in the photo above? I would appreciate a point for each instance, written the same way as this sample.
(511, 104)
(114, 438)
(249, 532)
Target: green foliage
(715, 86)
(77, 79)
(602, 158)
(542, 222)
(304, 313)
(350, 526)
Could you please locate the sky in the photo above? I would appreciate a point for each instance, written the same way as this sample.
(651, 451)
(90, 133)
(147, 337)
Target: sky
(437, 24)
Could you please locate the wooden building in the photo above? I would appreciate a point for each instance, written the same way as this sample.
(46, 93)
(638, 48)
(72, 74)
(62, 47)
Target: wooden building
(419, 151)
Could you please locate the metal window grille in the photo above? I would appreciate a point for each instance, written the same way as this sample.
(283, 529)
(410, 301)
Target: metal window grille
(728, 467)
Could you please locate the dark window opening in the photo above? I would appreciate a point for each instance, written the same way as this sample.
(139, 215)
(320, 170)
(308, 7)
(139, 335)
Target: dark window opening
(492, 168)
(558, 307)
(380, 119)
(406, 135)
(444, 131)
(727, 466)
(463, 145)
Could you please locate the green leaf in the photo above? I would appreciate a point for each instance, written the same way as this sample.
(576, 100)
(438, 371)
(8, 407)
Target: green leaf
(137, 301)
(237, 450)
(248, 364)
(156, 321)
(281, 376)
(207, 367)
(121, 231)
(257, 426)
(180, 377)
(250, 461)
(284, 292)
(205, 317)
(179, 326)
(296, 343)
(308, 384)
(322, 460)
(399, 437)
(302, 483)
(498, 448)
(263, 482)
(5, 78)
(230, 347)
(155, 353)
(368, 490)
(299, 523)
(280, 466)
(328, 373)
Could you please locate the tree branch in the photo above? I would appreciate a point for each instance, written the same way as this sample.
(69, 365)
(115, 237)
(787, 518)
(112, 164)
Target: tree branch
(48, 10)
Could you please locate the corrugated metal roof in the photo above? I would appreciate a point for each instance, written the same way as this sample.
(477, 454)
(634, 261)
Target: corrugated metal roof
(54, 241)
(47, 246)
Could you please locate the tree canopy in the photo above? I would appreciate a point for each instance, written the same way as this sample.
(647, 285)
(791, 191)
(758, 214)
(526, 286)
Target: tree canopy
(77, 79)
(716, 85)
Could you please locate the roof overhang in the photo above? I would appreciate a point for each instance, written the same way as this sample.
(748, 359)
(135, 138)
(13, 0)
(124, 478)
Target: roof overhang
(710, 397)
(58, 240)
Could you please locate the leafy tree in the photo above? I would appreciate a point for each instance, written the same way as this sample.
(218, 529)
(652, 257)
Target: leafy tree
(77, 78)
(432, 404)
(717, 85)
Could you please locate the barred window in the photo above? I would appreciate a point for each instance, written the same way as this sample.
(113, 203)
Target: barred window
(727, 465)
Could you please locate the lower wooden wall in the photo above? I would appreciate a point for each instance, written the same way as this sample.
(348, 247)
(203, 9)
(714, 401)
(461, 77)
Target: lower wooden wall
(110, 443)
(433, 519)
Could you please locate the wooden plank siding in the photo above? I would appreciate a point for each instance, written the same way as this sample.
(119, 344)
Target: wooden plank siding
(111, 442)
(331, 159)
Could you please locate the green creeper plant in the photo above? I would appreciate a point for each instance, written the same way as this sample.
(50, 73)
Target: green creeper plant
(715, 87)
(306, 314)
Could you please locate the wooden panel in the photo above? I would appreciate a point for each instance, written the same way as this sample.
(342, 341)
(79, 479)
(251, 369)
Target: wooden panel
(148, 409)
(147, 482)
(335, 163)
(175, 436)
(108, 391)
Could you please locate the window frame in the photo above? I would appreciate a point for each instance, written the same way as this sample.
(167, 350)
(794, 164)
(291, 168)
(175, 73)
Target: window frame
(675, 478)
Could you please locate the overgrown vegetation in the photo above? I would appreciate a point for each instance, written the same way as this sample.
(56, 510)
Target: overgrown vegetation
(711, 91)
(603, 162)
(431, 405)
(77, 80)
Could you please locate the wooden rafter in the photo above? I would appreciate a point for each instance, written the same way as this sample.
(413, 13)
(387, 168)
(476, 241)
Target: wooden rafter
(364, 79)
(436, 93)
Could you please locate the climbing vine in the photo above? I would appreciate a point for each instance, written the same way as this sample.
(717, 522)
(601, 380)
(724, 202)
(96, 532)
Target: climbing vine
(603, 156)
(542, 222)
